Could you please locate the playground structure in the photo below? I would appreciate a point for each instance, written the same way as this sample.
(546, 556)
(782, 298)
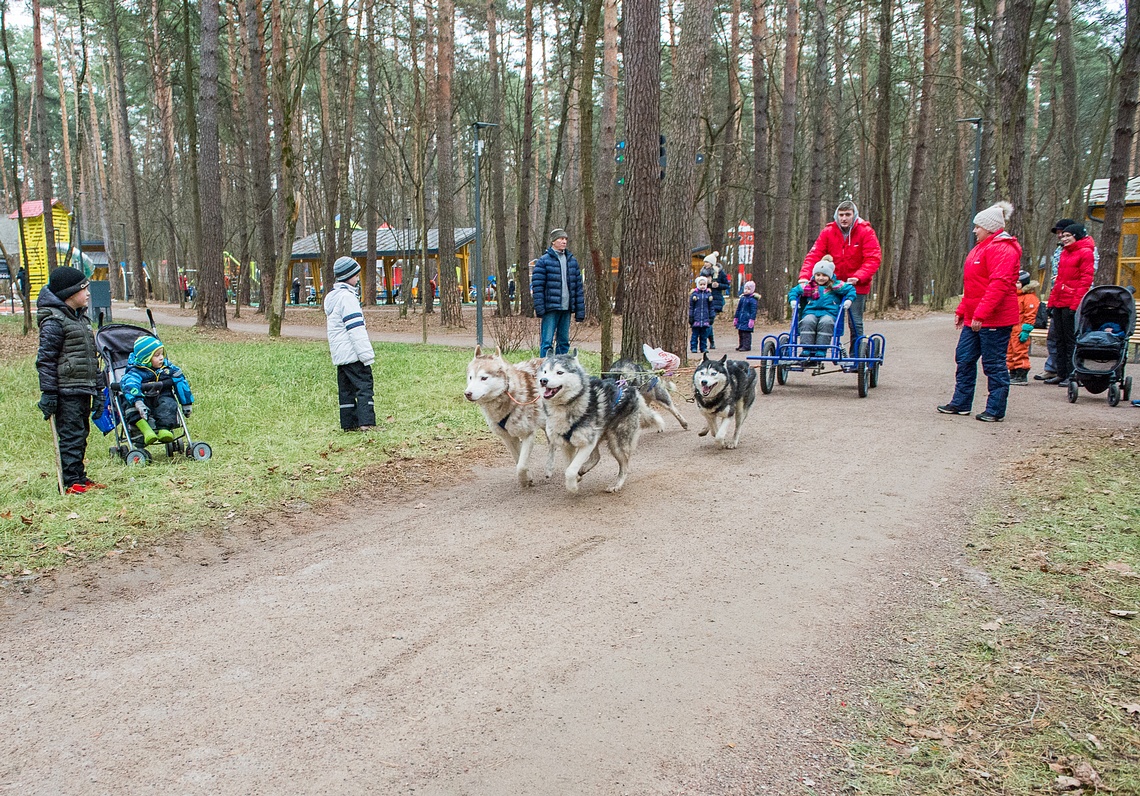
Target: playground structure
(34, 239)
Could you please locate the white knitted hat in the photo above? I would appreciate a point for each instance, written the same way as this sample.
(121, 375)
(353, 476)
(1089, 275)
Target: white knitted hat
(994, 217)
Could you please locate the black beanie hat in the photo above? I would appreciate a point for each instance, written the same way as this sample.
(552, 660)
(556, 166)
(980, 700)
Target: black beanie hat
(1076, 230)
(1024, 278)
(1060, 225)
(66, 281)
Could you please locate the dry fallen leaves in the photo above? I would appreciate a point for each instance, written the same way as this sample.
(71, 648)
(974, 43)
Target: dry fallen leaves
(1122, 614)
(1121, 568)
(1067, 783)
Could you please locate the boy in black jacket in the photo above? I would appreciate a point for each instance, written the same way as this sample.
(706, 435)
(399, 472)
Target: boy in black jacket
(68, 367)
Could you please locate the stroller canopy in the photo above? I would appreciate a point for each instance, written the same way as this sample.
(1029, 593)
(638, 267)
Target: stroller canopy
(117, 340)
(1107, 308)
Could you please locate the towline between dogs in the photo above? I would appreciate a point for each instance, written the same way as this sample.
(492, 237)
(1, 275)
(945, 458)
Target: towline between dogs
(695, 634)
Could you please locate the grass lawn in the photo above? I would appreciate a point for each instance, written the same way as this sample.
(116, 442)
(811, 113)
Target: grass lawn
(269, 410)
(1029, 684)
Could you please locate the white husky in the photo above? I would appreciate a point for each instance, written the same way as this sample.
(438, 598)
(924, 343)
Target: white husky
(509, 397)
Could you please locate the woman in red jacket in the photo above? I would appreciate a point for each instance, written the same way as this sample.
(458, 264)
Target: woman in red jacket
(1074, 278)
(986, 314)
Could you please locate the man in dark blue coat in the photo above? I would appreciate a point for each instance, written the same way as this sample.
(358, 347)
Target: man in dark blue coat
(556, 285)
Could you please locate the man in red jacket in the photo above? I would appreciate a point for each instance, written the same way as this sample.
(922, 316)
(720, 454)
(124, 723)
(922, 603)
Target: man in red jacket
(1074, 278)
(854, 247)
(986, 314)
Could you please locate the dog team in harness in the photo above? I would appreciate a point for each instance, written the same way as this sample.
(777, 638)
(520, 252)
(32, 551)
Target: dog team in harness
(146, 399)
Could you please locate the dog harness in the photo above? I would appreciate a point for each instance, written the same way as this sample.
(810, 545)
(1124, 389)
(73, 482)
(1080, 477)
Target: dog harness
(591, 407)
(503, 422)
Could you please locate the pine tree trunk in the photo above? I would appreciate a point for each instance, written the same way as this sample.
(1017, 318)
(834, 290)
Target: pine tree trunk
(879, 213)
(450, 303)
(731, 133)
(781, 227)
(526, 170)
(211, 282)
(815, 217)
(599, 263)
(669, 325)
(371, 177)
(495, 162)
(772, 302)
(261, 195)
(128, 165)
(923, 135)
(1013, 74)
(1068, 130)
(42, 150)
(1121, 148)
(65, 126)
(641, 215)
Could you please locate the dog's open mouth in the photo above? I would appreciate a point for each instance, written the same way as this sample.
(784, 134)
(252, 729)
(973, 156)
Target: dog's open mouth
(550, 392)
(706, 389)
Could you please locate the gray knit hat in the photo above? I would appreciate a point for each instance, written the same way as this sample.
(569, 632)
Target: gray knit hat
(824, 266)
(555, 234)
(345, 268)
(994, 217)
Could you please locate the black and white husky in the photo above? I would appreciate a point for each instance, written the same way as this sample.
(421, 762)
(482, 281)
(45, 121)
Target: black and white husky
(583, 410)
(724, 389)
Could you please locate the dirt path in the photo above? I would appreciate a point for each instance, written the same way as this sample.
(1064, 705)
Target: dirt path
(695, 634)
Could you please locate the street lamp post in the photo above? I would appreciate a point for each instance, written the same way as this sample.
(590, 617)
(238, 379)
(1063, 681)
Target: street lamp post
(978, 124)
(476, 126)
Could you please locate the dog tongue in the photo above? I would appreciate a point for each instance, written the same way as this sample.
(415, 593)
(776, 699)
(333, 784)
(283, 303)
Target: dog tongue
(705, 389)
(549, 392)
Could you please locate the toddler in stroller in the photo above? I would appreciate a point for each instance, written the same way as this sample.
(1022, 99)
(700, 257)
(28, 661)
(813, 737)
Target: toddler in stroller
(153, 410)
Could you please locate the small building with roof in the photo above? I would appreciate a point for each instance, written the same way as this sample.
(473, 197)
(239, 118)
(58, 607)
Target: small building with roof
(1128, 258)
(394, 247)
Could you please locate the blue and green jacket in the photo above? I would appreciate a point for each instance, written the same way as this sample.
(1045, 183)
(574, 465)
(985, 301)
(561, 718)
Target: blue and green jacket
(828, 301)
(139, 374)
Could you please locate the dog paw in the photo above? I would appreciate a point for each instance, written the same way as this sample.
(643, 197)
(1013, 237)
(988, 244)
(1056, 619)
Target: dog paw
(703, 432)
(728, 444)
(613, 490)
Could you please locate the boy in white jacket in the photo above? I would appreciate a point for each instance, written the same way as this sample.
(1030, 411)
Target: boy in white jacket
(351, 350)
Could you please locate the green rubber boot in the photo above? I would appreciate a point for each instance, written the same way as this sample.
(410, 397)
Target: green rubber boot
(149, 437)
(165, 435)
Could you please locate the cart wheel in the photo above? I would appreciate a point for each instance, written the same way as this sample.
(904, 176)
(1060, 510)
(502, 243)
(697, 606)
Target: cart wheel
(1073, 391)
(768, 368)
(170, 450)
(137, 456)
(200, 452)
(1113, 395)
(782, 374)
(864, 370)
(1127, 392)
(877, 353)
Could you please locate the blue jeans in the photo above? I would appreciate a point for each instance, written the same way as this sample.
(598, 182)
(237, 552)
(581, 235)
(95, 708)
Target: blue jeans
(990, 345)
(555, 323)
(856, 317)
(700, 337)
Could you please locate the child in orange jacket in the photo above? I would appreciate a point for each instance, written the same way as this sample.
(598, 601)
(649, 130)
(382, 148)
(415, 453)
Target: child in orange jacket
(1017, 357)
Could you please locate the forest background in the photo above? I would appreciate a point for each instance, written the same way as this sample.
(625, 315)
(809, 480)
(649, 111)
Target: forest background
(180, 130)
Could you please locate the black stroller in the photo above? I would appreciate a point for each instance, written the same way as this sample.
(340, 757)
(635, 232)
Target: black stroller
(1105, 322)
(115, 342)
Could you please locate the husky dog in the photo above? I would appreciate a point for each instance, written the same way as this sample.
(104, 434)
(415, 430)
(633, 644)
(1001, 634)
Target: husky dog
(654, 389)
(583, 410)
(724, 389)
(509, 397)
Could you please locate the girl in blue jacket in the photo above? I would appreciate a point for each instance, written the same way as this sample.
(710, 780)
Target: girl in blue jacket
(745, 318)
(820, 302)
(701, 315)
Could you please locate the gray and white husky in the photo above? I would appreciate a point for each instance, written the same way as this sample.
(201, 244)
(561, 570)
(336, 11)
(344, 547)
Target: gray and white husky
(724, 389)
(654, 389)
(583, 410)
(509, 397)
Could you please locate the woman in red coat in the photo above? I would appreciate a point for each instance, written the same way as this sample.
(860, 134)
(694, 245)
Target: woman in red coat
(986, 314)
(1074, 278)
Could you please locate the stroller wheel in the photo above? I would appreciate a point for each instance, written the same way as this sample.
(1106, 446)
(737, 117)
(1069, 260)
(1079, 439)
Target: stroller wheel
(137, 456)
(1073, 391)
(1113, 395)
(1127, 392)
(200, 452)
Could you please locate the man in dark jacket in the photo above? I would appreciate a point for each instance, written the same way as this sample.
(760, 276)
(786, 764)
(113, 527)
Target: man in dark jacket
(68, 368)
(556, 285)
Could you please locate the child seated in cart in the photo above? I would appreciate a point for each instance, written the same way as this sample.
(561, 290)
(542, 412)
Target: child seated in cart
(154, 414)
(820, 302)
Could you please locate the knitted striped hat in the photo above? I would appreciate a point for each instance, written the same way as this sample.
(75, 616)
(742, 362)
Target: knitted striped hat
(345, 268)
(144, 349)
